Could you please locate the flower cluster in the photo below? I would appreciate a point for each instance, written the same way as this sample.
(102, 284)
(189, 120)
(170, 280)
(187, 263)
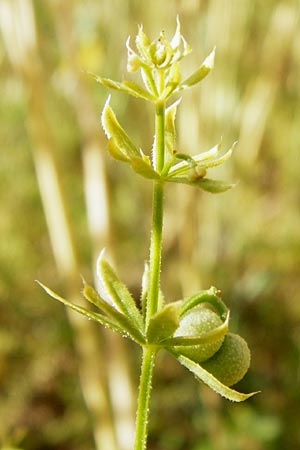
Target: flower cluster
(160, 53)
(159, 64)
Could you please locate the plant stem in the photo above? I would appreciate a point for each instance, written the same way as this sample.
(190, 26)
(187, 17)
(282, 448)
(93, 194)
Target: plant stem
(157, 213)
(144, 398)
(155, 251)
(159, 153)
(154, 280)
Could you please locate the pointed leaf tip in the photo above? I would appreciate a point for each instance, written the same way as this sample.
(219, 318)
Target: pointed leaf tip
(209, 61)
(197, 76)
(118, 292)
(114, 130)
(207, 378)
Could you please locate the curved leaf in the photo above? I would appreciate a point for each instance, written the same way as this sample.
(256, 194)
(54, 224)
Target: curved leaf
(210, 296)
(106, 321)
(142, 43)
(113, 129)
(119, 293)
(136, 91)
(170, 132)
(207, 338)
(200, 73)
(126, 86)
(126, 323)
(173, 80)
(115, 151)
(219, 161)
(207, 378)
(144, 168)
(212, 186)
(148, 80)
(182, 167)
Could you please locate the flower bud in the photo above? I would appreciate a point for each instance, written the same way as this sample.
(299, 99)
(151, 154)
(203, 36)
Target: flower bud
(158, 52)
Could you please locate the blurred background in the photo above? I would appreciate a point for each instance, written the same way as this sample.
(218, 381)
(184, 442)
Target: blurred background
(64, 384)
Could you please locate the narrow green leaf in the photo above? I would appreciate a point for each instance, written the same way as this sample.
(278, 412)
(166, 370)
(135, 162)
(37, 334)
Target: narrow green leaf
(134, 62)
(192, 170)
(149, 81)
(135, 90)
(107, 82)
(209, 296)
(200, 73)
(209, 154)
(119, 293)
(174, 76)
(143, 168)
(173, 80)
(183, 166)
(170, 131)
(212, 186)
(103, 320)
(191, 162)
(115, 151)
(211, 381)
(219, 161)
(126, 86)
(126, 323)
(208, 338)
(142, 43)
(163, 324)
(113, 129)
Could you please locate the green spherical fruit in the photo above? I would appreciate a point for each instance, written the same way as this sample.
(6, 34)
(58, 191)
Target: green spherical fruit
(197, 322)
(231, 362)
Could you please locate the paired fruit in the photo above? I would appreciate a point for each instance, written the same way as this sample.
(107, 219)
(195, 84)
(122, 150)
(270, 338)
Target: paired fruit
(231, 362)
(197, 322)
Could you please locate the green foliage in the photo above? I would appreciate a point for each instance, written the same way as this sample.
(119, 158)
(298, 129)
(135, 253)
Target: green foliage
(160, 61)
(225, 240)
(200, 333)
(202, 375)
